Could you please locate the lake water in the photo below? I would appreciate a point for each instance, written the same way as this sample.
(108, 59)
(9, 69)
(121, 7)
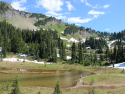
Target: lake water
(46, 78)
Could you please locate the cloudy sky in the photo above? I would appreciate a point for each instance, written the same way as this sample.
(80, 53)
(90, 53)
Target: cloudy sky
(100, 15)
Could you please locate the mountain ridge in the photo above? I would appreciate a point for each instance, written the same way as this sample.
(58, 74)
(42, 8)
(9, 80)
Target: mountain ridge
(34, 21)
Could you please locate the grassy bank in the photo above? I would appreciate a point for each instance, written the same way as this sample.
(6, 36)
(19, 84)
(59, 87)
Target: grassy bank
(108, 76)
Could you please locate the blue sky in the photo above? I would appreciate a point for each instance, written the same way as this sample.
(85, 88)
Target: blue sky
(100, 15)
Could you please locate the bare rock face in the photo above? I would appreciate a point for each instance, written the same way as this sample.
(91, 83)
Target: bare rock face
(12, 13)
(9, 14)
(54, 22)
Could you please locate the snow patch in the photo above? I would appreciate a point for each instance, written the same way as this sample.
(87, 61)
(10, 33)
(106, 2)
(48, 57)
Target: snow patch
(68, 45)
(63, 38)
(73, 40)
(62, 32)
(68, 57)
(58, 55)
(20, 60)
(83, 40)
(35, 61)
(119, 65)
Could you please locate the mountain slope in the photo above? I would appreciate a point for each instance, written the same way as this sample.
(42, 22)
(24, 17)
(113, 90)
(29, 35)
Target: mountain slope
(26, 20)
(22, 23)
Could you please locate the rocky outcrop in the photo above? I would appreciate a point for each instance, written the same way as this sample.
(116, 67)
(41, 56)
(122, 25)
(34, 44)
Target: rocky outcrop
(10, 14)
(55, 22)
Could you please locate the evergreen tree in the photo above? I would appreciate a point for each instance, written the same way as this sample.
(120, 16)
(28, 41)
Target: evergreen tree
(37, 57)
(58, 89)
(101, 57)
(80, 53)
(59, 42)
(16, 42)
(48, 47)
(55, 56)
(16, 89)
(4, 47)
(7, 85)
(43, 50)
(62, 51)
(3, 88)
(73, 53)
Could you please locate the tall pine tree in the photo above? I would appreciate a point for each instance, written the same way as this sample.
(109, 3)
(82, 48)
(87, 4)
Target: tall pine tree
(58, 89)
(73, 53)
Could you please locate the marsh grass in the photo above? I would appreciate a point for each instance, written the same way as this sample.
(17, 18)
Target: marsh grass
(105, 79)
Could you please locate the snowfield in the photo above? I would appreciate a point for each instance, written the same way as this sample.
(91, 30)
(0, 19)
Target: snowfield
(119, 65)
(63, 38)
(62, 32)
(68, 45)
(68, 57)
(73, 40)
(22, 60)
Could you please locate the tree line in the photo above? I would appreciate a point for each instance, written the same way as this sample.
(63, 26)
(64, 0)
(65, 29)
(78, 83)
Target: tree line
(44, 44)
(27, 41)
(43, 22)
(96, 43)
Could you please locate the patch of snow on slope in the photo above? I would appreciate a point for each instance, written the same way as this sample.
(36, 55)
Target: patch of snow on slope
(62, 32)
(73, 40)
(68, 57)
(63, 38)
(58, 55)
(83, 40)
(68, 45)
(119, 65)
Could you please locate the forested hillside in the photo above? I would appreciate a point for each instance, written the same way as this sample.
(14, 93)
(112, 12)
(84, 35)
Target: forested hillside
(37, 15)
(3, 7)
(26, 41)
(44, 44)
(96, 44)
(71, 29)
(26, 20)
(43, 22)
(118, 35)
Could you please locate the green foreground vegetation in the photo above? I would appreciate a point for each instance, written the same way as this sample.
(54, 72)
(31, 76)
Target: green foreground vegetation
(109, 81)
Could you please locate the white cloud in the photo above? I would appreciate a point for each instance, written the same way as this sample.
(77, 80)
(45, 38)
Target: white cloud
(67, 13)
(88, 4)
(107, 29)
(96, 16)
(82, 0)
(78, 20)
(93, 12)
(18, 5)
(70, 7)
(85, 1)
(78, 24)
(106, 6)
(51, 5)
(53, 13)
(56, 15)
(61, 17)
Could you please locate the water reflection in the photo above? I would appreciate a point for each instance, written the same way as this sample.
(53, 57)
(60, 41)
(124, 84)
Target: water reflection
(67, 78)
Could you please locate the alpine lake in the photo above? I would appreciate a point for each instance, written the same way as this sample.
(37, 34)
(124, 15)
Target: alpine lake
(43, 78)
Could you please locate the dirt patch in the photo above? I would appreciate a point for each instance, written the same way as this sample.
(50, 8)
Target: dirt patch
(106, 87)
